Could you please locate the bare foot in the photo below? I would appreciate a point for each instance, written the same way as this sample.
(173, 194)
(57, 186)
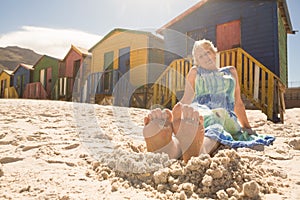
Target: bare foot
(158, 129)
(188, 129)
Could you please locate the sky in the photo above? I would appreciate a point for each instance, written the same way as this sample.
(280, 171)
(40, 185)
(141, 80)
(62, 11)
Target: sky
(50, 27)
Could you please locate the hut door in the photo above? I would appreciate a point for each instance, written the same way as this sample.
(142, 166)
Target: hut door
(124, 60)
(3, 85)
(42, 77)
(76, 76)
(23, 85)
(20, 85)
(49, 80)
(229, 35)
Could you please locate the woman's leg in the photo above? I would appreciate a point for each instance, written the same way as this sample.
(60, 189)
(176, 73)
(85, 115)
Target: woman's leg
(209, 146)
(188, 129)
(158, 133)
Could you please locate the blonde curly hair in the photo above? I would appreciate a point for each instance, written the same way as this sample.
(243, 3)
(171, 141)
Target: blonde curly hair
(198, 48)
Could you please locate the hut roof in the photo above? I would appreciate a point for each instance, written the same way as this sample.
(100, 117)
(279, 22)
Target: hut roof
(116, 30)
(42, 57)
(81, 51)
(286, 16)
(26, 66)
(281, 4)
(9, 72)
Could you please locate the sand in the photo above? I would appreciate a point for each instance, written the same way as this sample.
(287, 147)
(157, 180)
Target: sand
(65, 150)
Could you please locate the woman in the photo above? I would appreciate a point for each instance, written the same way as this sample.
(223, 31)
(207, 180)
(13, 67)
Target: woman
(210, 112)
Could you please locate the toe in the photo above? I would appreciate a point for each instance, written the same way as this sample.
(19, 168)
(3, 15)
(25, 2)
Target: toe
(146, 120)
(155, 114)
(187, 112)
(176, 112)
(196, 116)
(167, 115)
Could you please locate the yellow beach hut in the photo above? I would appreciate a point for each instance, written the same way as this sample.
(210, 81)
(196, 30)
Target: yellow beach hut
(6, 88)
(123, 65)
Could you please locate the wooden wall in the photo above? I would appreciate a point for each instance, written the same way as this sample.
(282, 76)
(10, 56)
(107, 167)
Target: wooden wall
(7, 77)
(155, 59)
(44, 63)
(4, 77)
(259, 28)
(282, 49)
(5, 83)
(69, 62)
(139, 53)
(21, 73)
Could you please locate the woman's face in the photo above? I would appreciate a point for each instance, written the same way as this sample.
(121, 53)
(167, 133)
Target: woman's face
(207, 57)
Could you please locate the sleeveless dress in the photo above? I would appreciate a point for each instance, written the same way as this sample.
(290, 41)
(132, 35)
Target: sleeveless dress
(214, 99)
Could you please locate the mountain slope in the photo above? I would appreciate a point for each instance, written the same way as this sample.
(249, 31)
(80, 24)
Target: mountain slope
(11, 56)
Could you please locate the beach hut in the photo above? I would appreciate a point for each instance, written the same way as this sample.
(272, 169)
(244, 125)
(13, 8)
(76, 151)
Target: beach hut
(22, 76)
(6, 88)
(123, 64)
(250, 35)
(45, 75)
(71, 74)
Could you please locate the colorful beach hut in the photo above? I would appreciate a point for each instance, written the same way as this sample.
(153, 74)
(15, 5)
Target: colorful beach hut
(250, 35)
(124, 62)
(6, 85)
(22, 76)
(71, 74)
(45, 75)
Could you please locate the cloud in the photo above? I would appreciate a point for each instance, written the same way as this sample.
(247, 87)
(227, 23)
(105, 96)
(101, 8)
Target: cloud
(49, 41)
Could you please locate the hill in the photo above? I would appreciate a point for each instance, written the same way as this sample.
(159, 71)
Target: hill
(11, 56)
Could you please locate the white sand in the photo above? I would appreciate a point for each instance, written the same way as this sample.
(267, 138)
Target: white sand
(65, 150)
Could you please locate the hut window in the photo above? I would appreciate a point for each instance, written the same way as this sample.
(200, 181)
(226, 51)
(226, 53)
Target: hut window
(108, 67)
(108, 60)
(76, 67)
(76, 75)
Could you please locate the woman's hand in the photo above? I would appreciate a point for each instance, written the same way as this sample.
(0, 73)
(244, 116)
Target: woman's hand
(250, 131)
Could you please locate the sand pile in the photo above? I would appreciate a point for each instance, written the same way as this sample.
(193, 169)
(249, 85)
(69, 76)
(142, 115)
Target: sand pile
(227, 175)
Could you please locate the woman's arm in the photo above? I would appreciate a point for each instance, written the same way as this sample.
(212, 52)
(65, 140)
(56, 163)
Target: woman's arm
(239, 107)
(189, 91)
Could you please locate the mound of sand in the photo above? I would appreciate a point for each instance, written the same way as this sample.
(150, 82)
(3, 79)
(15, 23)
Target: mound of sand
(228, 174)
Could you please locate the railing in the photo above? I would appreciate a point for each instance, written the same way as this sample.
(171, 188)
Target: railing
(10, 93)
(96, 85)
(122, 90)
(262, 87)
(35, 91)
(63, 89)
(171, 83)
(104, 82)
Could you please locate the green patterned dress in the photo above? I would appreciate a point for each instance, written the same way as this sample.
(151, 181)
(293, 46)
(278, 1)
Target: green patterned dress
(214, 99)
